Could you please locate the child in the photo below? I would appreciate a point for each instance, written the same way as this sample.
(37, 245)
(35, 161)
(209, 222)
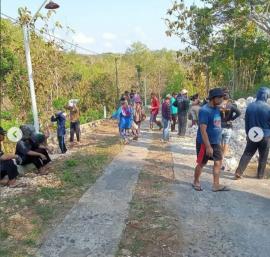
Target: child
(139, 116)
(124, 116)
(60, 118)
(166, 118)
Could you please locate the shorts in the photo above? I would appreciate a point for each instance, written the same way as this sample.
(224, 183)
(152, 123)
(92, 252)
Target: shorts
(202, 158)
(226, 135)
(153, 117)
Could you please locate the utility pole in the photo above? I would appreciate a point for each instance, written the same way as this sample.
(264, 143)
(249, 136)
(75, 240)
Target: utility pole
(116, 79)
(145, 87)
(234, 73)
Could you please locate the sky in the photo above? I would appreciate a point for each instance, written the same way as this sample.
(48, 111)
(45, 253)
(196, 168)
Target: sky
(106, 25)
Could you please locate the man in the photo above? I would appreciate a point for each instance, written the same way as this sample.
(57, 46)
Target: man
(30, 151)
(209, 139)
(174, 111)
(74, 121)
(60, 118)
(229, 112)
(154, 109)
(182, 103)
(7, 167)
(257, 115)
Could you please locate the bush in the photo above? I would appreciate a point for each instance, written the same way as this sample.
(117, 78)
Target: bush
(91, 115)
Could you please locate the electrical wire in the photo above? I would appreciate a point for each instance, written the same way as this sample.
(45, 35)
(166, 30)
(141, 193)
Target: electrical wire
(55, 37)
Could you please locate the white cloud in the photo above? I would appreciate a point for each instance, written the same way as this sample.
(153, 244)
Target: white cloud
(81, 38)
(108, 45)
(128, 42)
(109, 36)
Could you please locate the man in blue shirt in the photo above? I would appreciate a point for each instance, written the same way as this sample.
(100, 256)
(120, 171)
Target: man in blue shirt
(257, 115)
(208, 143)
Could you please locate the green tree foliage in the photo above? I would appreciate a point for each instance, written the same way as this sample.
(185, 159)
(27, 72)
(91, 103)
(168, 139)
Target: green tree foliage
(226, 46)
(60, 76)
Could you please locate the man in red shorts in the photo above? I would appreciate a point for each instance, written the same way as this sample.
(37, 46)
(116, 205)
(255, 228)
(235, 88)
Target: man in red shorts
(208, 143)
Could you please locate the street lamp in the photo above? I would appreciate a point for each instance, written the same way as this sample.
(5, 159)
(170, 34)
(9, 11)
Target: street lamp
(51, 6)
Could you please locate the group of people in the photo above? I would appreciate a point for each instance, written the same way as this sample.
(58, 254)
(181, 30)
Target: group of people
(130, 115)
(32, 148)
(215, 130)
(214, 117)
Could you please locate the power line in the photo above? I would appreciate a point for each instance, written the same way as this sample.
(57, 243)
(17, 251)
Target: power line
(55, 37)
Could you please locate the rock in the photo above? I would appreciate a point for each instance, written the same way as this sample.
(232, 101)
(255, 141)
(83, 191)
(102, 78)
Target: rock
(126, 252)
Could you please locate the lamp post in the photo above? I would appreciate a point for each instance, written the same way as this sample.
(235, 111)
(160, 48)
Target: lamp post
(51, 5)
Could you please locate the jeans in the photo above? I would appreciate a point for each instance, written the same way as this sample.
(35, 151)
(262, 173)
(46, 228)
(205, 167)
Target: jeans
(36, 160)
(74, 128)
(166, 129)
(62, 145)
(174, 119)
(182, 124)
(251, 148)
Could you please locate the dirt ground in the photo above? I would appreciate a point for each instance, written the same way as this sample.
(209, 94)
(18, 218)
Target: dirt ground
(152, 230)
(29, 212)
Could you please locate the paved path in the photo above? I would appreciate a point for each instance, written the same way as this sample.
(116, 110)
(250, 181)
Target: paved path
(223, 224)
(94, 226)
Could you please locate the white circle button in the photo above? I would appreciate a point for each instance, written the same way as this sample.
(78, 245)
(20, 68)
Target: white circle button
(14, 134)
(255, 134)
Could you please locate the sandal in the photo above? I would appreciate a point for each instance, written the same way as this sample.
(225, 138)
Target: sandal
(197, 187)
(237, 176)
(221, 188)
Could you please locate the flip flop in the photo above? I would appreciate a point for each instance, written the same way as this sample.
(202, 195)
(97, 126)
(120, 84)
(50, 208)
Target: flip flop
(197, 188)
(221, 188)
(17, 184)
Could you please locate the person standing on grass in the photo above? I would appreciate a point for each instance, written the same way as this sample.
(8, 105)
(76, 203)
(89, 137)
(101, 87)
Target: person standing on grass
(154, 110)
(60, 118)
(7, 167)
(229, 112)
(74, 121)
(166, 118)
(257, 115)
(209, 139)
(182, 103)
(174, 111)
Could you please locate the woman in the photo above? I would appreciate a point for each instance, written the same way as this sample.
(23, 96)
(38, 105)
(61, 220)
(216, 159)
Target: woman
(124, 116)
(139, 116)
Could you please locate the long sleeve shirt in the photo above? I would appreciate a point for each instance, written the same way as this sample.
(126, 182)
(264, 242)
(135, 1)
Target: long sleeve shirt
(166, 111)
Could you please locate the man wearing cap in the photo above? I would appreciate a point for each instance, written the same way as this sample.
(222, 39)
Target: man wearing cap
(182, 103)
(257, 115)
(7, 167)
(208, 142)
(74, 121)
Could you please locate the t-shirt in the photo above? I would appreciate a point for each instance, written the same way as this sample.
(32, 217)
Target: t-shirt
(155, 106)
(22, 148)
(210, 116)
